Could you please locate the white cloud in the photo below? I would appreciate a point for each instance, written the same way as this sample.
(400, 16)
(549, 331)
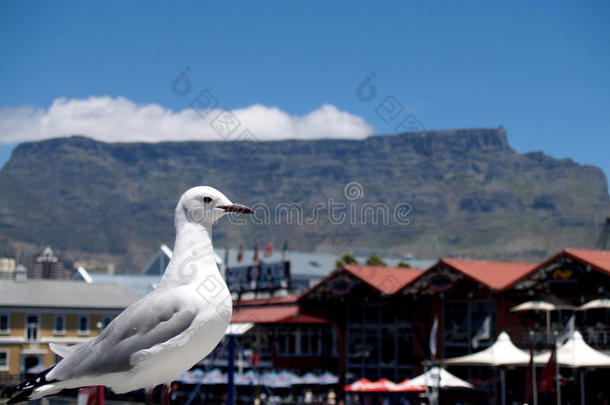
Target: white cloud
(121, 120)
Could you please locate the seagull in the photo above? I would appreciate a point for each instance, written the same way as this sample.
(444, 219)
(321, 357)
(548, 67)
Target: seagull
(166, 332)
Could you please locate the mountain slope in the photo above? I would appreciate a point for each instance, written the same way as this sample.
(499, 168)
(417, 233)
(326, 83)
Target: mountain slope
(469, 194)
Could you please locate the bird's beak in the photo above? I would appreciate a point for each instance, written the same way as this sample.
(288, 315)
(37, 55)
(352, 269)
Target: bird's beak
(242, 209)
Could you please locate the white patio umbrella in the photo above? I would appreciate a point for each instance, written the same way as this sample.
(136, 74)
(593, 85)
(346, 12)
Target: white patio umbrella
(283, 379)
(437, 377)
(543, 305)
(539, 305)
(328, 378)
(596, 304)
(309, 379)
(502, 353)
(576, 353)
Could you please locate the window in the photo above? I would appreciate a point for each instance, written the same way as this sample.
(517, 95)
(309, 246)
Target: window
(59, 325)
(4, 360)
(32, 326)
(106, 321)
(468, 327)
(310, 338)
(5, 323)
(379, 341)
(83, 325)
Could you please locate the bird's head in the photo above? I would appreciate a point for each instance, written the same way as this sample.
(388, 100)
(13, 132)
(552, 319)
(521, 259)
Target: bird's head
(205, 205)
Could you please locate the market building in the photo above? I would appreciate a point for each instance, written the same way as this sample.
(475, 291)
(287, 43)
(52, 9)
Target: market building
(376, 328)
(384, 317)
(357, 321)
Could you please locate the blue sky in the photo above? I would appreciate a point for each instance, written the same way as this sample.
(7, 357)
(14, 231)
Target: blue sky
(540, 69)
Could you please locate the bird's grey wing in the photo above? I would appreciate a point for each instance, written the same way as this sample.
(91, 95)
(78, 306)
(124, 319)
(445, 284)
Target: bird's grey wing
(152, 320)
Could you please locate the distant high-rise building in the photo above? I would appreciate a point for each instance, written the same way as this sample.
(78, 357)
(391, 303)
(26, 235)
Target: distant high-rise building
(7, 267)
(48, 265)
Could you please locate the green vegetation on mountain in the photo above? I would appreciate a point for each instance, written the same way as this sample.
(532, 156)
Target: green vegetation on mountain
(458, 193)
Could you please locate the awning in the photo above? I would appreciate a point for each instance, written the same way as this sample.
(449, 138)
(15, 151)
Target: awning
(273, 314)
(382, 385)
(357, 385)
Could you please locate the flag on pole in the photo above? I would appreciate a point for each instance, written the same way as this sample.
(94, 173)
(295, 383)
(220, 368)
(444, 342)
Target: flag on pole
(100, 395)
(255, 358)
(529, 383)
(268, 249)
(433, 337)
(256, 261)
(240, 253)
(484, 333)
(547, 377)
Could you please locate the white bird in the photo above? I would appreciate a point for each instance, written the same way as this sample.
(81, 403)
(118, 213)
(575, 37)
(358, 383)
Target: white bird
(167, 331)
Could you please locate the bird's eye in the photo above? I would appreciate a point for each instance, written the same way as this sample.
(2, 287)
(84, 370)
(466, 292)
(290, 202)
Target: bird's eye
(207, 199)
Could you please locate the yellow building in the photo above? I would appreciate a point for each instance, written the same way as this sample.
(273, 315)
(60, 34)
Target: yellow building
(34, 313)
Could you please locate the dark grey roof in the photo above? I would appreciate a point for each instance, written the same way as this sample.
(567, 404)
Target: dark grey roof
(140, 283)
(305, 267)
(65, 294)
(314, 265)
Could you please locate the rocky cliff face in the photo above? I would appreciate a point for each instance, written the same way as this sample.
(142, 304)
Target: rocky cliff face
(461, 192)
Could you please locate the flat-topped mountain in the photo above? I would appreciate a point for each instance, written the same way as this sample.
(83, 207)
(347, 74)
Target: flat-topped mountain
(450, 193)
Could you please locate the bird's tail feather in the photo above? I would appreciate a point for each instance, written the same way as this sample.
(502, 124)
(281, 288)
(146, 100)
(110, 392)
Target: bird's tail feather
(23, 391)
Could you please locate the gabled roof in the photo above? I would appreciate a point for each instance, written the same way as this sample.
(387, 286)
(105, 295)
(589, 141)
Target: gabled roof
(495, 275)
(273, 314)
(387, 280)
(599, 259)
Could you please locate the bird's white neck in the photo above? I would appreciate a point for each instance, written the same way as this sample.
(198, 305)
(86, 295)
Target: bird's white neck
(193, 258)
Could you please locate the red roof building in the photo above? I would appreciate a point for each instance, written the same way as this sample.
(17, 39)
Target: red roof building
(377, 321)
(285, 337)
(273, 314)
(388, 280)
(599, 259)
(494, 275)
